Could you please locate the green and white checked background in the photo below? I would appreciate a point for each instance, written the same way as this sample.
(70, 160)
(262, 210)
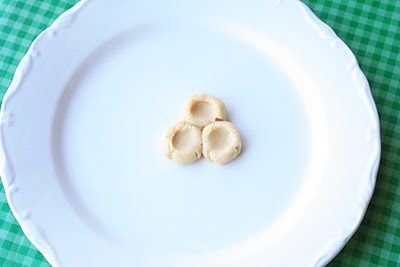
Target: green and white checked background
(372, 30)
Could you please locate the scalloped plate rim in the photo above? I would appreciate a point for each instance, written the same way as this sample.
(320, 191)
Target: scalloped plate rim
(326, 254)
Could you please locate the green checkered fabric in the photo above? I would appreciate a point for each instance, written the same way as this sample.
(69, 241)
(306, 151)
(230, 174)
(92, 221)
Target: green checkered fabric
(372, 30)
(20, 22)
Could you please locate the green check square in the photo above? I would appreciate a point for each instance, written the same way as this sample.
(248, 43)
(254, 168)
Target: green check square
(371, 28)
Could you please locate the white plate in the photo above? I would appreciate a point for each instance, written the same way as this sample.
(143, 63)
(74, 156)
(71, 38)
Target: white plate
(83, 120)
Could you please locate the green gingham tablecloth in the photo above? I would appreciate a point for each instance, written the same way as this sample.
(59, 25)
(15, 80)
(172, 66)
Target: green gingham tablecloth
(372, 30)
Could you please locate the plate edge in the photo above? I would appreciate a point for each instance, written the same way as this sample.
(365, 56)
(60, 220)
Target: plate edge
(37, 237)
(38, 240)
(327, 33)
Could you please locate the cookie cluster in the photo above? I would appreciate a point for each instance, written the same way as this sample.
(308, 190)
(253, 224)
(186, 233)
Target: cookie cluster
(203, 131)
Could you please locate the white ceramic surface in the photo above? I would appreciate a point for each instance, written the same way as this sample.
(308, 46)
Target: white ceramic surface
(84, 116)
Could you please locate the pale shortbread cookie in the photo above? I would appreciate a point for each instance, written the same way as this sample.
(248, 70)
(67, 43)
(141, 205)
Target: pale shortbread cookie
(221, 142)
(203, 109)
(182, 143)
